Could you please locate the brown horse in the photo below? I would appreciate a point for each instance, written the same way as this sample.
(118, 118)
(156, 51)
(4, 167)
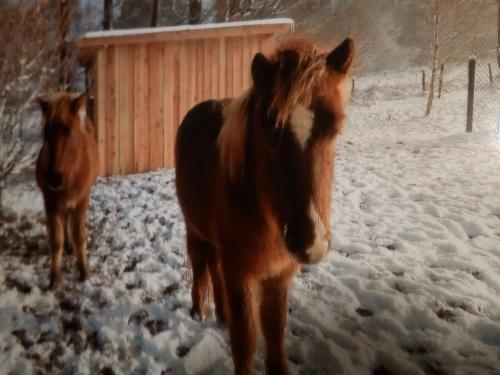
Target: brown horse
(66, 170)
(254, 178)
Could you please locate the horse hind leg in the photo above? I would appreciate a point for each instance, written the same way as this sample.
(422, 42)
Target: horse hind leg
(198, 253)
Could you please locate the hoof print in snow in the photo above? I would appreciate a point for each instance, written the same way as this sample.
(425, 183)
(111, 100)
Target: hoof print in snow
(400, 288)
(447, 315)
(70, 305)
(477, 275)
(420, 349)
(139, 317)
(23, 338)
(391, 247)
(20, 285)
(171, 289)
(78, 342)
(132, 264)
(364, 312)
(156, 326)
(72, 325)
(182, 351)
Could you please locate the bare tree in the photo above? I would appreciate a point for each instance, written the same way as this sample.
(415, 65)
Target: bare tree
(25, 66)
(435, 52)
(67, 50)
(107, 19)
(155, 13)
(195, 9)
(498, 30)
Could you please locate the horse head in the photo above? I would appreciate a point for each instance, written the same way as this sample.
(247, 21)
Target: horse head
(302, 108)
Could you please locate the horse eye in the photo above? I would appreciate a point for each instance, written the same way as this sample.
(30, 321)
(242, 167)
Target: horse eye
(65, 131)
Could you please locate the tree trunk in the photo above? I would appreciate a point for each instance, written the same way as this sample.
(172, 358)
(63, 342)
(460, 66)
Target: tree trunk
(435, 51)
(155, 13)
(220, 10)
(107, 19)
(498, 39)
(194, 11)
(65, 13)
(234, 9)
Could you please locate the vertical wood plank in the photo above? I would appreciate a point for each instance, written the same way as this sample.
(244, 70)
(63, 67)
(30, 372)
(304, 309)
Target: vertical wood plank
(170, 54)
(208, 51)
(214, 69)
(192, 74)
(245, 65)
(267, 44)
(254, 49)
(199, 69)
(125, 113)
(221, 69)
(229, 67)
(110, 121)
(155, 101)
(183, 79)
(237, 66)
(141, 126)
(177, 91)
(100, 102)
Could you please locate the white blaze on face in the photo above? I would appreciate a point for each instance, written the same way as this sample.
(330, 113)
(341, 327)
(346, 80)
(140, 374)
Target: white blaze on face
(301, 123)
(319, 248)
(82, 114)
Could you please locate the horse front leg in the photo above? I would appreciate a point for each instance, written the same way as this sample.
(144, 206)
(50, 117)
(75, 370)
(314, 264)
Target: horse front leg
(219, 294)
(55, 228)
(242, 327)
(273, 316)
(78, 231)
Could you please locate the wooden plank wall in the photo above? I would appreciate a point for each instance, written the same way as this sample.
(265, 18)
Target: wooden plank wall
(144, 90)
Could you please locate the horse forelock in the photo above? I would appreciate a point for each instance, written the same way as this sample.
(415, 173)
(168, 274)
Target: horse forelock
(297, 88)
(232, 137)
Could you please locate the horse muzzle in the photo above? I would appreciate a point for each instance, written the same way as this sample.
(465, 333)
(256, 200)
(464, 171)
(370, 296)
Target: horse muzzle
(307, 245)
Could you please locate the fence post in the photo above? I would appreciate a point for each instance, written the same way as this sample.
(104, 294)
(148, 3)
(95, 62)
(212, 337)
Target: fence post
(470, 94)
(353, 86)
(490, 72)
(423, 80)
(440, 86)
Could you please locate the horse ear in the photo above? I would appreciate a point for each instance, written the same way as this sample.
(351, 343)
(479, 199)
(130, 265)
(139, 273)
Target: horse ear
(44, 105)
(79, 107)
(340, 59)
(262, 71)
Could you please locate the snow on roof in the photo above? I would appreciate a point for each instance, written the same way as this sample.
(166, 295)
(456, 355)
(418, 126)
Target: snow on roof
(205, 26)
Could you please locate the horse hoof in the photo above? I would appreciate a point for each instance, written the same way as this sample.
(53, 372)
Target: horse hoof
(84, 274)
(197, 316)
(54, 283)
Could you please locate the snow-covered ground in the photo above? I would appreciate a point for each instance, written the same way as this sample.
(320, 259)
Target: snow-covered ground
(412, 288)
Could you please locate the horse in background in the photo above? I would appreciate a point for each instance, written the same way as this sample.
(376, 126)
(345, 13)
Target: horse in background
(66, 170)
(254, 178)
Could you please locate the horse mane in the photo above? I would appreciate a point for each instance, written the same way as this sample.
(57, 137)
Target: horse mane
(232, 136)
(291, 88)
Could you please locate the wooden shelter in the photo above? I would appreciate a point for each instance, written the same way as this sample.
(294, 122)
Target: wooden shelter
(143, 81)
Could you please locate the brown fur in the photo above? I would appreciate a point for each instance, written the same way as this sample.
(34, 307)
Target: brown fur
(246, 188)
(66, 169)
